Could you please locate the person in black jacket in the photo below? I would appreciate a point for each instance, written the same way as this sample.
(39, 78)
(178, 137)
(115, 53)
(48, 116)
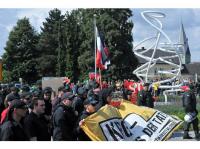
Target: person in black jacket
(35, 124)
(77, 103)
(189, 104)
(47, 94)
(47, 99)
(89, 105)
(145, 97)
(105, 97)
(64, 120)
(57, 99)
(12, 129)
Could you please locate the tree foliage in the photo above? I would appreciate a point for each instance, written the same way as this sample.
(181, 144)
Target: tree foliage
(65, 45)
(51, 45)
(19, 58)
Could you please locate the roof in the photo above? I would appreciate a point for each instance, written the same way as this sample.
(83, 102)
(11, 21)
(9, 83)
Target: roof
(184, 40)
(191, 68)
(158, 53)
(182, 36)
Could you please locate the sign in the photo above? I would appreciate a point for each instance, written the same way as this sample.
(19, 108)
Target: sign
(53, 82)
(130, 123)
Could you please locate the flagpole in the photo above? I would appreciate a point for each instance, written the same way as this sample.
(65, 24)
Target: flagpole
(95, 45)
(100, 78)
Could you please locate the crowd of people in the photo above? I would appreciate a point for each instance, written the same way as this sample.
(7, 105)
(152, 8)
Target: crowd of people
(43, 115)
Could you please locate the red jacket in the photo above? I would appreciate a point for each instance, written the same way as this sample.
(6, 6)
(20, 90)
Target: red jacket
(3, 115)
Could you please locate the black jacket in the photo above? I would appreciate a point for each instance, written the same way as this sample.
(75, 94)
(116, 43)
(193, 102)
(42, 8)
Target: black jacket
(78, 105)
(48, 107)
(64, 123)
(37, 126)
(12, 131)
(189, 101)
(80, 133)
(55, 102)
(103, 94)
(145, 99)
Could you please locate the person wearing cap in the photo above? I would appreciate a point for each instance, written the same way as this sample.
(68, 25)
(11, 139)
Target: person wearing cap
(12, 129)
(145, 97)
(105, 97)
(8, 101)
(13, 95)
(26, 97)
(77, 103)
(25, 88)
(35, 124)
(90, 108)
(64, 119)
(57, 99)
(189, 104)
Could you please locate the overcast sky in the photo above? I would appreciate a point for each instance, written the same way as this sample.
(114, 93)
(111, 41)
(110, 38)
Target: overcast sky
(141, 30)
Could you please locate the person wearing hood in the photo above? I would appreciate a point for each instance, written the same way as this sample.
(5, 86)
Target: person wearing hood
(105, 97)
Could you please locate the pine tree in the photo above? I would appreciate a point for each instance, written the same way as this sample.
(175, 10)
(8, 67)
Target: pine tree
(73, 34)
(51, 46)
(20, 53)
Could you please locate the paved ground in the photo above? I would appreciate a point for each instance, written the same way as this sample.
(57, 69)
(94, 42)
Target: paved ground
(178, 136)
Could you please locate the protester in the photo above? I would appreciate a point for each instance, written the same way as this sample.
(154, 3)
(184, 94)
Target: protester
(12, 129)
(35, 124)
(57, 99)
(64, 120)
(145, 98)
(89, 105)
(13, 95)
(77, 103)
(47, 99)
(48, 106)
(104, 97)
(189, 104)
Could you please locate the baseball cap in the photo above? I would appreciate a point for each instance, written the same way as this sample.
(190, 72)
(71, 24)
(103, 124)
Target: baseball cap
(81, 90)
(26, 95)
(67, 95)
(18, 104)
(90, 101)
(47, 90)
(12, 97)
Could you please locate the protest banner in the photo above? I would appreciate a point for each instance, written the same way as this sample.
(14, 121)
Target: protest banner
(129, 122)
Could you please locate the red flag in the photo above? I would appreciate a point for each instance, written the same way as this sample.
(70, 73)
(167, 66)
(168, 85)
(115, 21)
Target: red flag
(92, 76)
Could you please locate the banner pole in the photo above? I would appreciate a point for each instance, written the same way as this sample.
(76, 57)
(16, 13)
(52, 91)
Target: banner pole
(100, 78)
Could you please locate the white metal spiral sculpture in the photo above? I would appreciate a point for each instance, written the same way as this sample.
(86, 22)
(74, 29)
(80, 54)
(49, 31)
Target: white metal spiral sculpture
(143, 71)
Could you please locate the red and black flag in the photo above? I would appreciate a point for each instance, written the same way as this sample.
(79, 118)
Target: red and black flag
(102, 53)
